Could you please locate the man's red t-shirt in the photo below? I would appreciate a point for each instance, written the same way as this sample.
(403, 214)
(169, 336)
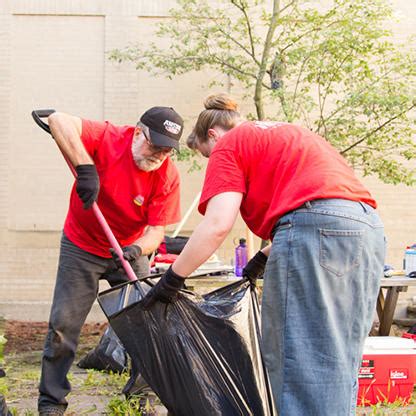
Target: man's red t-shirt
(129, 198)
(277, 167)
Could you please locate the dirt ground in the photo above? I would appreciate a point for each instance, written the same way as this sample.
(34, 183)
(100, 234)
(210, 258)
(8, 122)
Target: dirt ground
(25, 336)
(92, 390)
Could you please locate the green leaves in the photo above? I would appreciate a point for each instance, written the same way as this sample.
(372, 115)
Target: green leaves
(3, 341)
(333, 68)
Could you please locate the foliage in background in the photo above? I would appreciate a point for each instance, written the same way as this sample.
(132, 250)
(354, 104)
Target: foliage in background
(3, 341)
(331, 66)
(186, 154)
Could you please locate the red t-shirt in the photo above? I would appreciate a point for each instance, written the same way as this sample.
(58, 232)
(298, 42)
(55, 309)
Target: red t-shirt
(277, 167)
(129, 198)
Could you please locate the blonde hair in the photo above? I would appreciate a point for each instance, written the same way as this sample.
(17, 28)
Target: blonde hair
(220, 110)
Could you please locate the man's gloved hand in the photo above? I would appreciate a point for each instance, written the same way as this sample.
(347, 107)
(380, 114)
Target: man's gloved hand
(255, 267)
(165, 290)
(130, 253)
(88, 184)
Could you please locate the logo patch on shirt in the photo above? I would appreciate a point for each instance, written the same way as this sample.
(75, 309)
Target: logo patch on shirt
(269, 124)
(138, 200)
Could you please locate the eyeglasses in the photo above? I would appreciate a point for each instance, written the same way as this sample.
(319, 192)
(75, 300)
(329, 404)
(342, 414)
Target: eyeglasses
(156, 149)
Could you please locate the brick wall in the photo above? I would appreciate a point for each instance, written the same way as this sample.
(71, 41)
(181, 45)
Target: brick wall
(5, 87)
(53, 54)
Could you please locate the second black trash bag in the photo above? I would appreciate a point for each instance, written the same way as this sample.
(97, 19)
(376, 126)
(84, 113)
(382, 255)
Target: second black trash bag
(201, 354)
(108, 355)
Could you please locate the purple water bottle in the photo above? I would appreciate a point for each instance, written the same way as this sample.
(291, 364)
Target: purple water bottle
(240, 257)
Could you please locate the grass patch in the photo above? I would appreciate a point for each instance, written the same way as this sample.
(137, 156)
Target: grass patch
(96, 378)
(4, 388)
(384, 408)
(131, 407)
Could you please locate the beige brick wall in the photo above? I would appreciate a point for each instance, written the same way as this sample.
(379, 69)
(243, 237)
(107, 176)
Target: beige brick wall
(53, 54)
(5, 88)
(50, 69)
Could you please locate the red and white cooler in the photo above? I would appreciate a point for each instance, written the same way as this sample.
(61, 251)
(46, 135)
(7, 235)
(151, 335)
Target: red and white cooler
(388, 371)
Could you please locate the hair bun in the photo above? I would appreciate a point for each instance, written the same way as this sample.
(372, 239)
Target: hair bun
(220, 102)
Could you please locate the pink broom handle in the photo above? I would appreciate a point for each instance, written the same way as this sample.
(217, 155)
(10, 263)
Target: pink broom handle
(37, 114)
(113, 242)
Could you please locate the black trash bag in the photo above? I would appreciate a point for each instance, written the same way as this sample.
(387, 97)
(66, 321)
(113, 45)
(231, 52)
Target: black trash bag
(108, 355)
(3, 407)
(201, 354)
(172, 245)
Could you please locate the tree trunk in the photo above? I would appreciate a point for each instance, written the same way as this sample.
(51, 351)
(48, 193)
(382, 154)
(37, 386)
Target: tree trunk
(258, 92)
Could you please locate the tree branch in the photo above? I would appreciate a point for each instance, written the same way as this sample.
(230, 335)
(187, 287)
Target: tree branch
(378, 129)
(315, 29)
(287, 6)
(249, 29)
(336, 111)
(234, 68)
(295, 91)
(240, 45)
(226, 64)
(322, 120)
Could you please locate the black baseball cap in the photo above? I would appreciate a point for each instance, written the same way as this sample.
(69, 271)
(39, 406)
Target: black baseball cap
(165, 126)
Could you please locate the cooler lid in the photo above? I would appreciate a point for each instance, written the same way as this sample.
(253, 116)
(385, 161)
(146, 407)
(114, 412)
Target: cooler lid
(375, 344)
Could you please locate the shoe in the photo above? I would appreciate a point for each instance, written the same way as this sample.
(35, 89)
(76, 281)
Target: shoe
(51, 411)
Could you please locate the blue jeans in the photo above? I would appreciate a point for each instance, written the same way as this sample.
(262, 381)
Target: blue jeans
(320, 287)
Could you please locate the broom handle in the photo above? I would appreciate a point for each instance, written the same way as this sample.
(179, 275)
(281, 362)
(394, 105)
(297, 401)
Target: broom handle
(37, 115)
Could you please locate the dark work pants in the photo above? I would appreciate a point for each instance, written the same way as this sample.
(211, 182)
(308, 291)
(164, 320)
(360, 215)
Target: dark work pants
(76, 289)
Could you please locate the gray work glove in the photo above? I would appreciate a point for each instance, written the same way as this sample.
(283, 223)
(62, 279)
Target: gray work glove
(130, 253)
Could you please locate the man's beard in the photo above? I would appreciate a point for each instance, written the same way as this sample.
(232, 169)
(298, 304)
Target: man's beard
(145, 163)
(148, 165)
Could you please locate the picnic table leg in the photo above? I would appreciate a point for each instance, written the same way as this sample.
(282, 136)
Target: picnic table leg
(380, 304)
(388, 311)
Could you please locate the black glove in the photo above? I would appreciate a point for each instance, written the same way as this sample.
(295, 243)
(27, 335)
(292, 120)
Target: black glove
(88, 184)
(255, 267)
(165, 290)
(130, 253)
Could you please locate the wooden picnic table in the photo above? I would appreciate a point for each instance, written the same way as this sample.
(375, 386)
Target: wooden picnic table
(205, 284)
(386, 304)
(388, 295)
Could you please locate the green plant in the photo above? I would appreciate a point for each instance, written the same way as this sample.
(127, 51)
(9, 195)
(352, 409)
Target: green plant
(331, 66)
(4, 388)
(96, 378)
(384, 407)
(122, 407)
(116, 380)
(30, 375)
(187, 154)
(3, 341)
